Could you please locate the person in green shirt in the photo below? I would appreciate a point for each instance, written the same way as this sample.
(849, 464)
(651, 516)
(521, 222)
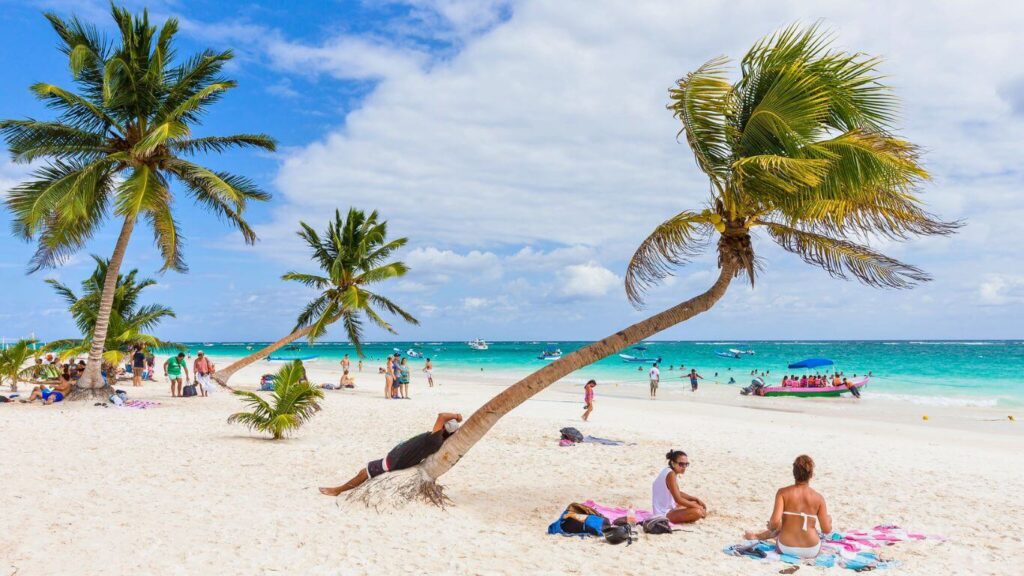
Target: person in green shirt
(173, 368)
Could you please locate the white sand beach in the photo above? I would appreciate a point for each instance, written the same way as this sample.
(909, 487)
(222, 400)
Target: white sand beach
(176, 490)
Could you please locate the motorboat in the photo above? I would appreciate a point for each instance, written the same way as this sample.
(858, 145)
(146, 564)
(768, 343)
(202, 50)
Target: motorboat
(640, 357)
(550, 354)
(477, 344)
(413, 353)
(733, 353)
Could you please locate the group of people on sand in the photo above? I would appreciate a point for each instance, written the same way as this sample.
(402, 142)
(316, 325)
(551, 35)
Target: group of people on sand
(799, 512)
(798, 515)
(396, 371)
(58, 390)
(346, 381)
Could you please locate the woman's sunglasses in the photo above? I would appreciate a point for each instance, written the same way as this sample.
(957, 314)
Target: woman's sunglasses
(682, 464)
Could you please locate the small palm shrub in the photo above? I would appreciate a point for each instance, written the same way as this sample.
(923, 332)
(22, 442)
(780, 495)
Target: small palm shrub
(293, 402)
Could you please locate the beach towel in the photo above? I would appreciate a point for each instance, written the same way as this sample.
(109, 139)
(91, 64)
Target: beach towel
(603, 441)
(139, 404)
(612, 513)
(856, 550)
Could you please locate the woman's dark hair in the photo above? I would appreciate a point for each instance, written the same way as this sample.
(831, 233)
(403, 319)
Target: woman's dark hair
(673, 454)
(589, 382)
(803, 468)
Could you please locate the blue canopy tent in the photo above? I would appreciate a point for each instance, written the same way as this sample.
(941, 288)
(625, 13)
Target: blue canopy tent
(812, 363)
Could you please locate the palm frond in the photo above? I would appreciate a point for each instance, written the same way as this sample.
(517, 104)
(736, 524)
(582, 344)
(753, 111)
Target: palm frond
(702, 101)
(841, 258)
(672, 244)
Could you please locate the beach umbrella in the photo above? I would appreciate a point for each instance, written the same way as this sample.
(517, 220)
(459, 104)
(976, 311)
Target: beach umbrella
(812, 363)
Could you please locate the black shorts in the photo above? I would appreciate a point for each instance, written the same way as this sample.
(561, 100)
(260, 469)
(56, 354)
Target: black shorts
(377, 467)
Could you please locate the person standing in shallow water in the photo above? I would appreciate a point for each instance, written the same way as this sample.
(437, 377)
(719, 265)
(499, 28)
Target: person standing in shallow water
(588, 399)
(693, 380)
(655, 376)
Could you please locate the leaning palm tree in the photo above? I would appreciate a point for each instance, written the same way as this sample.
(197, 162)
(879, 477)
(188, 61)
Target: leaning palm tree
(293, 403)
(800, 146)
(353, 255)
(116, 145)
(13, 359)
(130, 323)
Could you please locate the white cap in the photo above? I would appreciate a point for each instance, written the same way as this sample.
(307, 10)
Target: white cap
(451, 426)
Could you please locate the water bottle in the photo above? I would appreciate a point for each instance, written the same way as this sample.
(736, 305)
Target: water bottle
(631, 516)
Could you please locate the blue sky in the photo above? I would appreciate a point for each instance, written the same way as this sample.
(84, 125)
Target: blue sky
(525, 150)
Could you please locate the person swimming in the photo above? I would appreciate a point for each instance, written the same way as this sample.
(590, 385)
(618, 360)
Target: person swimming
(797, 509)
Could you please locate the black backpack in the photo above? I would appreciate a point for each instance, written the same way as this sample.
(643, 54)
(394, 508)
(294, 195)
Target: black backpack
(571, 434)
(189, 390)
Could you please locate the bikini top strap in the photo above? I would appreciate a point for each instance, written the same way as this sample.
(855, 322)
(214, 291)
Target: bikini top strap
(806, 516)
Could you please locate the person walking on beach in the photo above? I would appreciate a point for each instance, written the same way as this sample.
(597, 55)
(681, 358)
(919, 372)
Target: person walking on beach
(346, 364)
(173, 367)
(138, 365)
(360, 364)
(428, 369)
(202, 368)
(693, 380)
(405, 455)
(666, 497)
(655, 376)
(588, 399)
(807, 512)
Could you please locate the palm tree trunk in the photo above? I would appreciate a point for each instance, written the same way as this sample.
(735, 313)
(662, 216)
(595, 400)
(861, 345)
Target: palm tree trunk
(223, 375)
(488, 415)
(91, 383)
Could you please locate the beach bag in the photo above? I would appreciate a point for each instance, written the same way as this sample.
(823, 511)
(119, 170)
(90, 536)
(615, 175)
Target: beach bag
(579, 520)
(618, 534)
(572, 434)
(189, 390)
(116, 400)
(657, 525)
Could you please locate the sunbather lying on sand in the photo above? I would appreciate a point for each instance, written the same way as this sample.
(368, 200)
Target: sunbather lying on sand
(799, 512)
(51, 394)
(405, 455)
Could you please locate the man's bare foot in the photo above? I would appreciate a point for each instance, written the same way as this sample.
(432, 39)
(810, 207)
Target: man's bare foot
(330, 491)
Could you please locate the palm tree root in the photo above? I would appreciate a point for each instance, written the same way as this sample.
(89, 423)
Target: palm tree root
(102, 393)
(396, 489)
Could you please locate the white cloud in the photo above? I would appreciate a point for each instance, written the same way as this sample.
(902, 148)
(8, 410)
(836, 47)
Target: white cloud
(473, 303)
(1001, 289)
(436, 266)
(588, 280)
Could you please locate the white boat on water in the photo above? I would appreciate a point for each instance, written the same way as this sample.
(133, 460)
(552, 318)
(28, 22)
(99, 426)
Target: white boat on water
(550, 354)
(411, 353)
(477, 344)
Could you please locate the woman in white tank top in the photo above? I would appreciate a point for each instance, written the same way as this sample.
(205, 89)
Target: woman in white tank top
(666, 497)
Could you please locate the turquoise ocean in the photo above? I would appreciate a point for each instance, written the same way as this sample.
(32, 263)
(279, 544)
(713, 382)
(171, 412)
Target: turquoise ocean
(986, 373)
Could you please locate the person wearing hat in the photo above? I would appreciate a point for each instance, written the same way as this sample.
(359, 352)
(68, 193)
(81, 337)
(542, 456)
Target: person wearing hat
(202, 368)
(405, 455)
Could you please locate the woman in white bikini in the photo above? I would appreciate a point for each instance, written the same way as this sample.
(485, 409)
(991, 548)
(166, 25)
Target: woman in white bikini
(800, 513)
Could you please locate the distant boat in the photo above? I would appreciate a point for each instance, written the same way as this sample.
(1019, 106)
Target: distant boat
(734, 353)
(413, 354)
(640, 358)
(477, 344)
(208, 344)
(550, 354)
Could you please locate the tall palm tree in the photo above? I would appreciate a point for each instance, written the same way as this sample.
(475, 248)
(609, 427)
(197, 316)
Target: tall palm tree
(116, 146)
(130, 324)
(801, 146)
(353, 255)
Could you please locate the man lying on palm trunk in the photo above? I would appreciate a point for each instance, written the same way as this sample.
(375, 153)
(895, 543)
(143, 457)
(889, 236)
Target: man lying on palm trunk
(405, 455)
